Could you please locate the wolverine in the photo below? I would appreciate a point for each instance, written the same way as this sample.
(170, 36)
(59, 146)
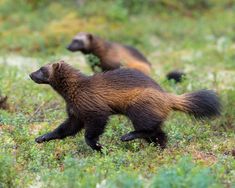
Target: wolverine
(111, 55)
(91, 100)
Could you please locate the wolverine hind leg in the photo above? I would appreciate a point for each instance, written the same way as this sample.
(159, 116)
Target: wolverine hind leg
(147, 125)
(152, 136)
(135, 134)
(158, 138)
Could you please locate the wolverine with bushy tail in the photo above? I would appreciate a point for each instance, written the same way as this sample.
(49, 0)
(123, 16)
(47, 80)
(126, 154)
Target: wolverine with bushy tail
(92, 99)
(112, 55)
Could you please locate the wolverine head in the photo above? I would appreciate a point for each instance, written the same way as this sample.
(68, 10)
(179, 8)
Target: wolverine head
(55, 74)
(81, 42)
(45, 74)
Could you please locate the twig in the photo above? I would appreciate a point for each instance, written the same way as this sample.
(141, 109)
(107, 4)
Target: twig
(36, 111)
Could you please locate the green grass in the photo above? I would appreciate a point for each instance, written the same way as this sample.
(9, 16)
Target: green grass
(199, 154)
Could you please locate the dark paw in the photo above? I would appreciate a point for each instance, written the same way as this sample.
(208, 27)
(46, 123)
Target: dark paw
(43, 138)
(127, 137)
(162, 144)
(97, 147)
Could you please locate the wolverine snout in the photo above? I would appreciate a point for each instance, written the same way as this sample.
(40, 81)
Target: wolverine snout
(33, 77)
(69, 48)
(38, 77)
(73, 47)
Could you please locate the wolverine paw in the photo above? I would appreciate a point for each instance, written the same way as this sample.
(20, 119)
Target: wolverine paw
(98, 147)
(43, 138)
(127, 137)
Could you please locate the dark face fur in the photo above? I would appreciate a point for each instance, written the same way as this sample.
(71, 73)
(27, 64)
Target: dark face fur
(81, 42)
(42, 75)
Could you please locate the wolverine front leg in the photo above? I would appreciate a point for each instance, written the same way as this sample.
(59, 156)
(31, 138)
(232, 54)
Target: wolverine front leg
(93, 129)
(69, 127)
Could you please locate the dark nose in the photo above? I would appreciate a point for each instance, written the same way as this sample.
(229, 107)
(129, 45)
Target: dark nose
(31, 75)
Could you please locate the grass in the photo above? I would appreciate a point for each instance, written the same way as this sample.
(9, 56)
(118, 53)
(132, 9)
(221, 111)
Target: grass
(199, 154)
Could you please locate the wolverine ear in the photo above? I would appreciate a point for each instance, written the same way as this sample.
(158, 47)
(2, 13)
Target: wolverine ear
(56, 66)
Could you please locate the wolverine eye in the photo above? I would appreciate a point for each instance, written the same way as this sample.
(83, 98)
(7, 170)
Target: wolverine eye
(43, 69)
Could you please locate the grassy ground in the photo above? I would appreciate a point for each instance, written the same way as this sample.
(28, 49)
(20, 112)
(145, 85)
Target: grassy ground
(202, 43)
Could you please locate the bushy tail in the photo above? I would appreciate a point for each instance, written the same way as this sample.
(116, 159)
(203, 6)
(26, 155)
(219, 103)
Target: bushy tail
(201, 104)
(175, 75)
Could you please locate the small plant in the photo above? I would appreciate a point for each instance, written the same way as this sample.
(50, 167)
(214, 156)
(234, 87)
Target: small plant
(184, 174)
(7, 171)
(94, 62)
(124, 180)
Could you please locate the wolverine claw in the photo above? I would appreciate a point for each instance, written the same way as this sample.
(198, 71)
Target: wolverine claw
(43, 138)
(127, 137)
(98, 147)
(40, 139)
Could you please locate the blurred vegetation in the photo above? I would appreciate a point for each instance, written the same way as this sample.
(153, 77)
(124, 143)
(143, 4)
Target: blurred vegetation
(193, 35)
(23, 32)
(7, 171)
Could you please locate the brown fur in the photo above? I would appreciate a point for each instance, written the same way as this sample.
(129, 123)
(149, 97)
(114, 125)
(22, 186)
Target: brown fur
(112, 55)
(3, 103)
(92, 99)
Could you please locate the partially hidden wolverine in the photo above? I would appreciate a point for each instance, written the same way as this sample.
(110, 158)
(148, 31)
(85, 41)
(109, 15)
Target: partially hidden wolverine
(111, 55)
(92, 99)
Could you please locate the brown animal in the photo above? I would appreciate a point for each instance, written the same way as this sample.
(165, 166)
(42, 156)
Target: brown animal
(111, 55)
(92, 99)
(3, 103)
